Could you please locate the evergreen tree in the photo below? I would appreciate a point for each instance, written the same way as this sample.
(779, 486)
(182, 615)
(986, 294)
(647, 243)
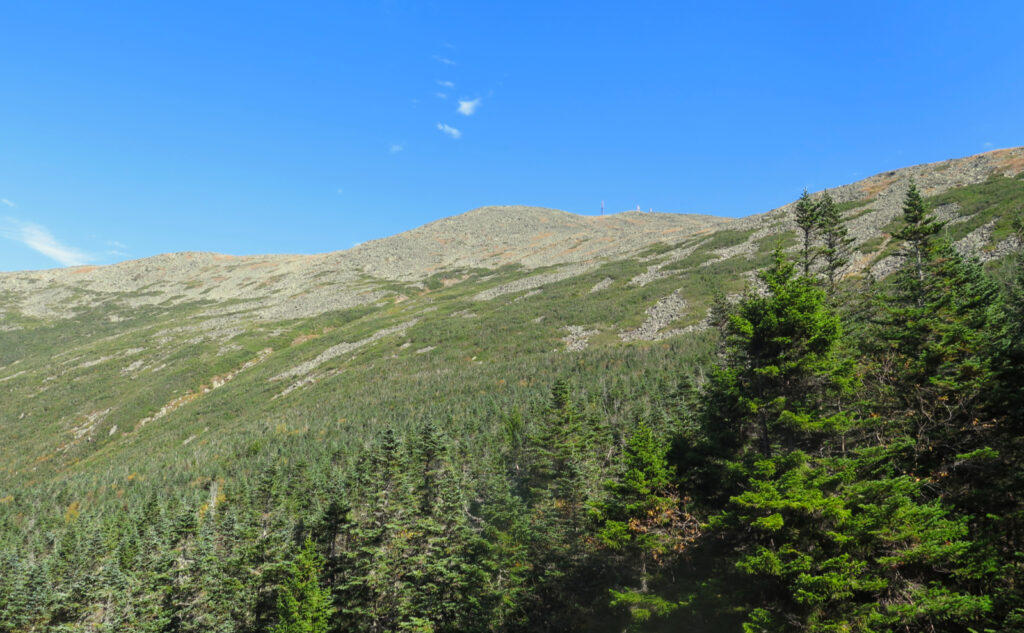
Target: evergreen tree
(303, 605)
(834, 544)
(835, 241)
(784, 375)
(374, 594)
(919, 233)
(943, 324)
(564, 588)
(644, 523)
(807, 214)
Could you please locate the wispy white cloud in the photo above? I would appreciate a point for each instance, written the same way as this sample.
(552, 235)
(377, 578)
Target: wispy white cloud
(440, 95)
(116, 244)
(444, 60)
(340, 191)
(447, 45)
(395, 148)
(987, 145)
(449, 130)
(468, 107)
(7, 202)
(446, 84)
(40, 239)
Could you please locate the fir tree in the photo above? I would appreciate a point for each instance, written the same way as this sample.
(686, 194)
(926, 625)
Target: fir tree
(303, 605)
(835, 241)
(832, 544)
(808, 221)
(784, 373)
(943, 323)
(919, 233)
(644, 523)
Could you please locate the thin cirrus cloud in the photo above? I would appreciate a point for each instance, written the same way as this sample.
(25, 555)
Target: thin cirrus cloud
(449, 130)
(444, 60)
(446, 84)
(117, 249)
(39, 239)
(395, 148)
(7, 202)
(468, 107)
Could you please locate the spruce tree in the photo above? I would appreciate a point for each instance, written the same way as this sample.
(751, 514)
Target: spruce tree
(644, 524)
(919, 233)
(835, 241)
(303, 605)
(943, 323)
(784, 374)
(844, 543)
(807, 215)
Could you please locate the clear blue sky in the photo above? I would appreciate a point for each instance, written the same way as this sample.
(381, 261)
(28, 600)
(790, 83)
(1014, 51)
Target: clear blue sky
(129, 129)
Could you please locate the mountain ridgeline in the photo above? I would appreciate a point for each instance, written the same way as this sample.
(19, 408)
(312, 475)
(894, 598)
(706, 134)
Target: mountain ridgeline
(521, 419)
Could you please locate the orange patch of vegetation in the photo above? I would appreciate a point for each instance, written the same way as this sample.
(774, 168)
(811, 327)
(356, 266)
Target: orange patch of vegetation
(299, 340)
(81, 270)
(541, 236)
(451, 281)
(72, 512)
(873, 186)
(1011, 163)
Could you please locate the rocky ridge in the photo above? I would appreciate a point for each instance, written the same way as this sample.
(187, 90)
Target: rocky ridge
(274, 287)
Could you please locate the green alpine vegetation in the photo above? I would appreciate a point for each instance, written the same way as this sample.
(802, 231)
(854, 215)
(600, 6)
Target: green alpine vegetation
(793, 425)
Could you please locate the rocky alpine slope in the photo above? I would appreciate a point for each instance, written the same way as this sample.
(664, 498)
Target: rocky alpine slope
(183, 355)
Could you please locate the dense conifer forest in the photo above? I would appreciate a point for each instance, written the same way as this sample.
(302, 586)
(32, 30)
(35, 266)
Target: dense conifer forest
(849, 457)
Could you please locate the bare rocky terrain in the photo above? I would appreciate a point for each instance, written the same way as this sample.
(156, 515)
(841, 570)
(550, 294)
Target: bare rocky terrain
(292, 286)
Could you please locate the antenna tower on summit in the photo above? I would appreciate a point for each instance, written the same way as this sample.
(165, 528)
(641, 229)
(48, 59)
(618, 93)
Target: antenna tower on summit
(602, 207)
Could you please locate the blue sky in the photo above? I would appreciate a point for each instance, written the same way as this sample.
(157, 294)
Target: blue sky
(130, 129)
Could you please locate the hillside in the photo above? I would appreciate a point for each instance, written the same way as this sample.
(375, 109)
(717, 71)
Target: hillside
(92, 357)
(173, 428)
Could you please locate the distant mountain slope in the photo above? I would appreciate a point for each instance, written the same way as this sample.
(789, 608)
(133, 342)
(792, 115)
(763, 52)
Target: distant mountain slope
(184, 358)
(494, 236)
(488, 237)
(297, 285)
